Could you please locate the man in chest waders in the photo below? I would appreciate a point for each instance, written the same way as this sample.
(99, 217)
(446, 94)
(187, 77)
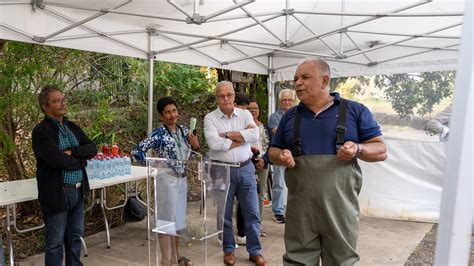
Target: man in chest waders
(319, 141)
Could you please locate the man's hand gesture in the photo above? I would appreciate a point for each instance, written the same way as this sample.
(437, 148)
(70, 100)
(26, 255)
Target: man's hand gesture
(286, 158)
(348, 151)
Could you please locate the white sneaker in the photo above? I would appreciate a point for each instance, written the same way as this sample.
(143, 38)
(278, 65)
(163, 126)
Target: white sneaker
(242, 240)
(219, 242)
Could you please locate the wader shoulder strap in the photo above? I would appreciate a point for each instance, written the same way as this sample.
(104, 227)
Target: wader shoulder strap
(297, 135)
(340, 128)
(341, 123)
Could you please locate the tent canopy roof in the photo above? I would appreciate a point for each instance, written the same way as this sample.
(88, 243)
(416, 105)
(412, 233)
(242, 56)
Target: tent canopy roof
(356, 37)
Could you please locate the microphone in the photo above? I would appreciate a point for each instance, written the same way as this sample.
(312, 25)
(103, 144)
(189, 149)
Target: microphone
(192, 124)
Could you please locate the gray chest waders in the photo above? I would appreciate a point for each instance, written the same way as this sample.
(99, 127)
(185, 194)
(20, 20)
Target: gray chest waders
(322, 210)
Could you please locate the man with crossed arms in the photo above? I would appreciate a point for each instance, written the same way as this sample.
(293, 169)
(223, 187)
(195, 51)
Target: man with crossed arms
(229, 132)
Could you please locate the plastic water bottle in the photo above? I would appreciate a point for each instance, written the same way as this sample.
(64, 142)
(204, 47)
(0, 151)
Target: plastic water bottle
(95, 168)
(128, 165)
(122, 165)
(114, 171)
(108, 168)
(93, 165)
(101, 167)
(119, 165)
(90, 169)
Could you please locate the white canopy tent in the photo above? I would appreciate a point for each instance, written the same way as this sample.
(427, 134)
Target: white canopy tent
(357, 37)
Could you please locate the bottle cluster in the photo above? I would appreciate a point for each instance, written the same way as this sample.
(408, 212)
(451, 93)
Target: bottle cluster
(107, 166)
(108, 163)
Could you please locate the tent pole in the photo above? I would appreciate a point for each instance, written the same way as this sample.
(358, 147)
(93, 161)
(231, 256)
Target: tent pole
(454, 231)
(341, 48)
(151, 57)
(150, 96)
(271, 90)
(150, 89)
(196, 7)
(287, 18)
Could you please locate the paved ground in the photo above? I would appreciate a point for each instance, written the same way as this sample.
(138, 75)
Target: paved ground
(381, 242)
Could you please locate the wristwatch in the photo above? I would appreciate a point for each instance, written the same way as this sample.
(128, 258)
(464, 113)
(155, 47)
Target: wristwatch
(226, 135)
(359, 150)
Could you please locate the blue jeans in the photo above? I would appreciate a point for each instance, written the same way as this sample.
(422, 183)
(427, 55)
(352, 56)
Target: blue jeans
(243, 186)
(278, 186)
(65, 228)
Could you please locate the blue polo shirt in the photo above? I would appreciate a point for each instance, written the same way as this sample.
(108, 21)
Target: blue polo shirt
(318, 133)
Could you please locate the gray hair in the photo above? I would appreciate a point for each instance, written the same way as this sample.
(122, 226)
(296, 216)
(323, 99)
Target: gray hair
(223, 84)
(321, 65)
(287, 91)
(43, 96)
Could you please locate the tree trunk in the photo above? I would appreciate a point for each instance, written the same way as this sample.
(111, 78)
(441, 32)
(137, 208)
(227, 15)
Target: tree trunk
(11, 160)
(13, 164)
(14, 169)
(224, 74)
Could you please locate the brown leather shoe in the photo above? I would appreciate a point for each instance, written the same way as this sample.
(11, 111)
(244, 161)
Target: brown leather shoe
(229, 259)
(259, 260)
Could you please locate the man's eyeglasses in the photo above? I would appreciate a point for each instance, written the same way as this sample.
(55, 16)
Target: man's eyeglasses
(253, 109)
(286, 100)
(58, 101)
(223, 96)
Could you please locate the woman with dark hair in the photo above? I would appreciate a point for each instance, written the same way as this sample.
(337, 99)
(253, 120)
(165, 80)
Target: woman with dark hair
(174, 142)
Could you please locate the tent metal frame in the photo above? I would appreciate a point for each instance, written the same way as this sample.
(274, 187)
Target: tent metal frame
(282, 46)
(453, 217)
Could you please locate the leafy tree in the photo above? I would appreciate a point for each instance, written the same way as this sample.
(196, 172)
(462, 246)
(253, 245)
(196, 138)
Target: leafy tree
(336, 82)
(258, 91)
(187, 84)
(24, 69)
(408, 93)
(416, 91)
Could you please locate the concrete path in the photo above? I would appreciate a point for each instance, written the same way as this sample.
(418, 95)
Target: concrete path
(381, 242)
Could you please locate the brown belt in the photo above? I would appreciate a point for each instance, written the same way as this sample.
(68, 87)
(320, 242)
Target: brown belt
(241, 164)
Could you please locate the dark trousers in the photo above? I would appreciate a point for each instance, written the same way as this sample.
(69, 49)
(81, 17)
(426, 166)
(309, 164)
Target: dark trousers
(244, 187)
(65, 229)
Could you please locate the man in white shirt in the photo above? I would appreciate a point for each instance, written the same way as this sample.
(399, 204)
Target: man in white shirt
(229, 132)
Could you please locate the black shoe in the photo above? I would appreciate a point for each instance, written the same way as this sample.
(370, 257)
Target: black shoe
(280, 219)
